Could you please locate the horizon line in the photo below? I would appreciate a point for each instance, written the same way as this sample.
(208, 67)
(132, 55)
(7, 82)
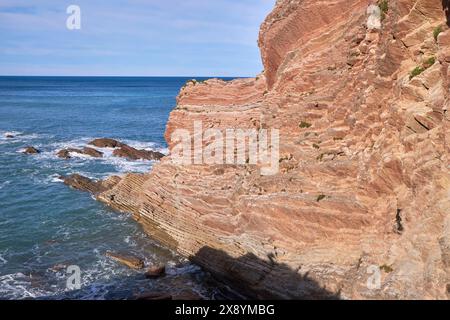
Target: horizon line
(123, 76)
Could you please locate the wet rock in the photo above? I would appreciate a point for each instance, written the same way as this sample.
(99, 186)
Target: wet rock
(31, 150)
(66, 153)
(128, 260)
(154, 296)
(92, 152)
(58, 267)
(105, 143)
(9, 136)
(131, 153)
(82, 183)
(187, 295)
(155, 272)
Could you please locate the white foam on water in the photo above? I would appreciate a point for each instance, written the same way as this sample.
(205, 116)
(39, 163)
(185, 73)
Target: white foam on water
(4, 184)
(18, 136)
(19, 286)
(120, 165)
(55, 178)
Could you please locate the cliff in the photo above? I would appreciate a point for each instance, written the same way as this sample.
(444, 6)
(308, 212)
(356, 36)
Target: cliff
(360, 99)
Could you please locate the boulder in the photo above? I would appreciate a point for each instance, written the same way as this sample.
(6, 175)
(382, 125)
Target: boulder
(155, 271)
(82, 183)
(65, 153)
(31, 150)
(92, 152)
(131, 153)
(105, 143)
(128, 260)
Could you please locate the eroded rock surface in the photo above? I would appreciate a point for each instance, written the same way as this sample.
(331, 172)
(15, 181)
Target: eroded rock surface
(364, 179)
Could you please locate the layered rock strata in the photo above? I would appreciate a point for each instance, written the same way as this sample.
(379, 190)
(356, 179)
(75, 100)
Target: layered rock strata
(364, 185)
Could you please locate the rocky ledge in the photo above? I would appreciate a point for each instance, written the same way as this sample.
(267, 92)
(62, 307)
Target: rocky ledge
(361, 101)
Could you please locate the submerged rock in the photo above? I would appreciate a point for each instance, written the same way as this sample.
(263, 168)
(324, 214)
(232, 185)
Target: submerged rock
(128, 260)
(64, 154)
(131, 153)
(31, 150)
(153, 296)
(155, 271)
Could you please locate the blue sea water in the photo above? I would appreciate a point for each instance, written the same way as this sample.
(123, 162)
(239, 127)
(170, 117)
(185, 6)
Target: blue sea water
(46, 226)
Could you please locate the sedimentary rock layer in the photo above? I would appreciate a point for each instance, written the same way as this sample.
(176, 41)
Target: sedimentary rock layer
(364, 160)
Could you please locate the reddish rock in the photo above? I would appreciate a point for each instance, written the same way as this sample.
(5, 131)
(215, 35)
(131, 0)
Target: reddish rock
(128, 260)
(382, 161)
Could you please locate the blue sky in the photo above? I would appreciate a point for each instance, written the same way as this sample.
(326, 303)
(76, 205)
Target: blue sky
(134, 37)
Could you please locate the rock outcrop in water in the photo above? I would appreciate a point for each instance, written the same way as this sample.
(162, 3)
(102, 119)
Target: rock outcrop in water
(364, 182)
(66, 153)
(120, 150)
(31, 150)
(131, 153)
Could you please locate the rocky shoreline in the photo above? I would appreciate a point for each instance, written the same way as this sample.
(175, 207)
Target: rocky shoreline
(364, 180)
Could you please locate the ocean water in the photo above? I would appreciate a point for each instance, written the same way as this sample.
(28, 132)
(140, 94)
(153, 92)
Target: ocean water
(46, 226)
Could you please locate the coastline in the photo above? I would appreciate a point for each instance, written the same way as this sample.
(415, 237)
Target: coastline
(356, 181)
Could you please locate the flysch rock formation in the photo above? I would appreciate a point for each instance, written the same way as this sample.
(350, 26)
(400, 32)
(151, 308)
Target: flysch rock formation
(364, 182)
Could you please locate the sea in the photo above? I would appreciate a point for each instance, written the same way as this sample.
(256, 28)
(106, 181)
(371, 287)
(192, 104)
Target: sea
(53, 239)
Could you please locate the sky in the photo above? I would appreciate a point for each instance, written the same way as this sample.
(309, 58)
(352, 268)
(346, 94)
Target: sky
(132, 38)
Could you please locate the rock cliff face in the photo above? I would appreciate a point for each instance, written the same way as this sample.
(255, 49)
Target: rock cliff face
(364, 182)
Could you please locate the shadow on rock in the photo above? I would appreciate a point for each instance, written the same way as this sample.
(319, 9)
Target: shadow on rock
(256, 278)
(446, 7)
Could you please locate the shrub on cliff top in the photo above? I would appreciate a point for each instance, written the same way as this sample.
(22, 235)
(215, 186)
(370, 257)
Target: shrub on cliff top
(436, 32)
